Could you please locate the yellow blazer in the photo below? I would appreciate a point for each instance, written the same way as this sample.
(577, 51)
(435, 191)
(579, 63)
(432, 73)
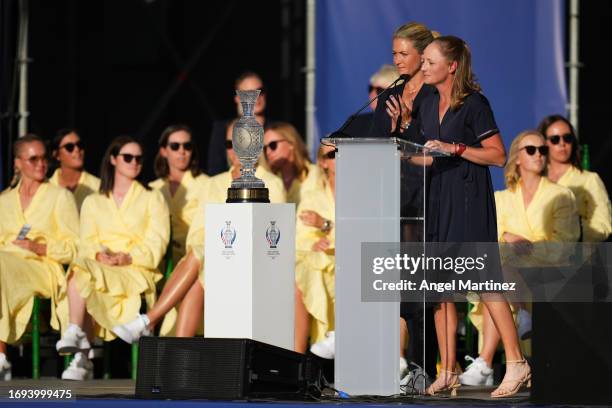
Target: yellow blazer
(54, 220)
(592, 201)
(182, 206)
(299, 187)
(315, 271)
(550, 217)
(140, 226)
(88, 184)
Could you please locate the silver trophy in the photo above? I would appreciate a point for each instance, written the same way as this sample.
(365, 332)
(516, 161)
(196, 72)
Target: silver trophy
(247, 141)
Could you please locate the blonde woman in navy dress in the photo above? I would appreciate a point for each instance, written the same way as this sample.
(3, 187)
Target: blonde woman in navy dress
(461, 204)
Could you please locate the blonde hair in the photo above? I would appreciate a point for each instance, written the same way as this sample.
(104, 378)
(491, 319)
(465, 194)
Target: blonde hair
(464, 82)
(300, 153)
(384, 76)
(418, 34)
(512, 172)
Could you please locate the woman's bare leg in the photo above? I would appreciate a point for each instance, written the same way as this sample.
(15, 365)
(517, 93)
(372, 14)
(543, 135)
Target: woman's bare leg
(180, 283)
(445, 317)
(77, 311)
(404, 337)
(500, 312)
(490, 337)
(2, 347)
(302, 323)
(191, 311)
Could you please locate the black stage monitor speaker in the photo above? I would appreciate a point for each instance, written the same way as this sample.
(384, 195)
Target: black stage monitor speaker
(209, 368)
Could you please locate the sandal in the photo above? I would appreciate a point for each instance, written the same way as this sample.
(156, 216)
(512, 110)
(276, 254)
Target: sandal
(446, 381)
(514, 379)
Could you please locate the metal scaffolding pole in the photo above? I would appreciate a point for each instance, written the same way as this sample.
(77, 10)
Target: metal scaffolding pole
(574, 63)
(310, 74)
(22, 56)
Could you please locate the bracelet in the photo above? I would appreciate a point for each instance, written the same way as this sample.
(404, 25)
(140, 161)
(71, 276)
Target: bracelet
(327, 226)
(405, 125)
(459, 149)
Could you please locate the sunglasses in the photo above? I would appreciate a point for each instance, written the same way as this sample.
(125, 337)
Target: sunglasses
(330, 155)
(175, 146)
(274, 144)
(532, 149)
(567, 138)
(229, 145)
(70, 146)
(378, 89)
(127, 157)
(34, 160)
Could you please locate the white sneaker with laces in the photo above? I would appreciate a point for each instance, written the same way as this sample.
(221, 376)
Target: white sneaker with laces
(73, 340)
(477, 373)
(133, 330)
(5, 368)
(80, 369)
(524, 324)
(325, 348)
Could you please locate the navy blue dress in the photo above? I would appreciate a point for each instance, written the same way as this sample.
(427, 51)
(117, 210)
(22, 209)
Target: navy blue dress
(460, 199)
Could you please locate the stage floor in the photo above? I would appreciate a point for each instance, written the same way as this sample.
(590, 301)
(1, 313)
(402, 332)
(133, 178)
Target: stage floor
(120, 392)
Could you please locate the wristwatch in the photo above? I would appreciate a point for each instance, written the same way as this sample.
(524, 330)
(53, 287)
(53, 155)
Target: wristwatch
(327, 226)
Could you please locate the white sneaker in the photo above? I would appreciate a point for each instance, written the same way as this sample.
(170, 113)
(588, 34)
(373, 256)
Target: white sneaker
(416, 381)
(524, 324)
(73, 340)
(403, 368)
(131, 331)
(5, 368)
(477, 373)
(80, 369)
(325, 348)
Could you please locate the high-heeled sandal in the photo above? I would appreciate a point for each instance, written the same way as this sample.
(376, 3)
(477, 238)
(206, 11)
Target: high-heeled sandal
(448, 382)
(513, 385)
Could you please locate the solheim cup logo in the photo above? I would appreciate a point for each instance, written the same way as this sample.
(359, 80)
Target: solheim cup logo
(273, 235)
(228, 235)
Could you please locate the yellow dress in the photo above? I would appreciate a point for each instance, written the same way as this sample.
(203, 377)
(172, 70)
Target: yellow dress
(315, 272)
(182, 206)
(592, 201)
(140, 227)
(54, 218)
(215, 191)
(88, 184)
(550, 217)
(299, 187)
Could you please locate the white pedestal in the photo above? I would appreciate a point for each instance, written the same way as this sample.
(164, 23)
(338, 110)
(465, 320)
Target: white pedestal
(249, 278)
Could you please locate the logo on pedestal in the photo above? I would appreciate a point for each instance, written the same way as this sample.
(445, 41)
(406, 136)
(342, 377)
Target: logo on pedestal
(273, 236)
(228, 237)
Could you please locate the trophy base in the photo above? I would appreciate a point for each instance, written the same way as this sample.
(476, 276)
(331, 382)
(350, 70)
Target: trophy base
(247, 195)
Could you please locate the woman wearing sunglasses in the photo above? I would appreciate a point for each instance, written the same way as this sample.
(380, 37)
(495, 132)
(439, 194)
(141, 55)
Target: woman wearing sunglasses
(285, 154)
(315, 261)
(186, 284)
(69, 153)
(564, 168)
(39, 230)
(125, 231)
(180, 180)
(532, 209)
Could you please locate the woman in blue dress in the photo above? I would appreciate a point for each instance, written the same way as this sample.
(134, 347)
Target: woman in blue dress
(458, 120)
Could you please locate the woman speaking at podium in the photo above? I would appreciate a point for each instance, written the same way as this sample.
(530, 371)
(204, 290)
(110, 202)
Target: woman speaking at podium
(458, 120)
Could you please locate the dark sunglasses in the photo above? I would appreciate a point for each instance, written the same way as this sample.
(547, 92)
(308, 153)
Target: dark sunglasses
(229, 145)
(375, 88)
(127, 157)
(274, 144)
(34, 160)
(175, 146)
(330, 155)
(70, 146)
(567, 138)
(532, 149)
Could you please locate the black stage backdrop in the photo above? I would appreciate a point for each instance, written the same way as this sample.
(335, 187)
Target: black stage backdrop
(112, 67)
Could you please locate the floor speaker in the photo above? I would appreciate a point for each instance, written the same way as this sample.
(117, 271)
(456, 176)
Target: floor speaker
(572, 353)
(228, 369)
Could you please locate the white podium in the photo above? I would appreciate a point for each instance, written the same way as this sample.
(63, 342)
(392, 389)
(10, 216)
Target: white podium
(249, 272)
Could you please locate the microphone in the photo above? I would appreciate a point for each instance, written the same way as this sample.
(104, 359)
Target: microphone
(340, 132)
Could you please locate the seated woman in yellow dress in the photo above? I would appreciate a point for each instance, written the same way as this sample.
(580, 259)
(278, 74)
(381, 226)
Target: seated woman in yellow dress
(315, 260)
(125, 230)
(186, 285)
(286, 155)
(68, 151)
(564, 168)
(31, 261)
(531, 210)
